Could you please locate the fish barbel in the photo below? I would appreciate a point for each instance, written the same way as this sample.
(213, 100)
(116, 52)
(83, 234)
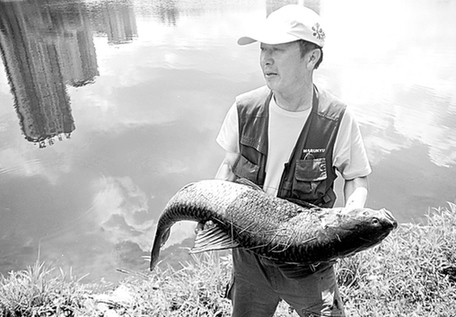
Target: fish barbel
(245, 216)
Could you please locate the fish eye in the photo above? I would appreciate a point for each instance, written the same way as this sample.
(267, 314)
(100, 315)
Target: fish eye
(375, 222)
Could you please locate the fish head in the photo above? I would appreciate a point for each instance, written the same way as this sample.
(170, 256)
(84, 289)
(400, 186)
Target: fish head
(363, 228)
(375, 219)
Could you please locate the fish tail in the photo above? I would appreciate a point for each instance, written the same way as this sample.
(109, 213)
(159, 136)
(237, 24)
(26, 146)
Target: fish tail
(160, 239)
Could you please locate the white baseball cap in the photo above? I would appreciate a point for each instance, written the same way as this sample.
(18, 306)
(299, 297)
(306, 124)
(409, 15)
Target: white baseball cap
(289, 23)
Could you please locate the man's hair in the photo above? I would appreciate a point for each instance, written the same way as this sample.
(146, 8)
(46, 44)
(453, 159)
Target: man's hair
(307, 47)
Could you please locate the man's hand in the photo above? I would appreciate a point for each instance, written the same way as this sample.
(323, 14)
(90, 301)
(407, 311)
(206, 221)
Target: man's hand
(199, 227)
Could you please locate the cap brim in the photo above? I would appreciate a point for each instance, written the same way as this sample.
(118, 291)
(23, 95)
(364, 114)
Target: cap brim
(244, 40)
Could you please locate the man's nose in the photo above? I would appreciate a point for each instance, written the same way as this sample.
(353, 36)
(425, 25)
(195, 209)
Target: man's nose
(266, 59)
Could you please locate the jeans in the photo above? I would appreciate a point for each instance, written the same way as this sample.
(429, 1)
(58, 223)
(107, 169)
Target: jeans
(258, 286)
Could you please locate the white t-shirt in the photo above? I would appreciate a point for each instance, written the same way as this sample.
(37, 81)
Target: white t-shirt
(349, 156)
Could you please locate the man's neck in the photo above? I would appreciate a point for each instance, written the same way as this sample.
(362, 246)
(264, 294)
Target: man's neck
(297, 100)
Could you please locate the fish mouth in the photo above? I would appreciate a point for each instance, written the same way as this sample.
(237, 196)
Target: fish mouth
(389, 216)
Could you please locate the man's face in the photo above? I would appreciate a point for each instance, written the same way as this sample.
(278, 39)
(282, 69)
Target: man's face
(282, 65)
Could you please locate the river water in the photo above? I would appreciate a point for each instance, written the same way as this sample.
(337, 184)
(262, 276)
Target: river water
(107, 108)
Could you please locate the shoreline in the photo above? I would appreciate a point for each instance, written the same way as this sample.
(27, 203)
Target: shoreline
(411, 273)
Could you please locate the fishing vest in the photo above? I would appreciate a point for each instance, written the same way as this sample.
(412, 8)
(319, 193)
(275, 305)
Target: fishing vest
(309, 175)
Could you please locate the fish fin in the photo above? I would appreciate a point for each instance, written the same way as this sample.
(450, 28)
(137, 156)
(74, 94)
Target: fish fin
(212, 239)
(245, 181)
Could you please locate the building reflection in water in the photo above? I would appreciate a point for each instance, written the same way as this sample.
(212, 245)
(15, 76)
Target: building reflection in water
(46, 46)
(119, 22)
(167, 12)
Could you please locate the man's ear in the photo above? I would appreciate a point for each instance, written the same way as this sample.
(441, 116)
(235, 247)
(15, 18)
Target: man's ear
(313, 57)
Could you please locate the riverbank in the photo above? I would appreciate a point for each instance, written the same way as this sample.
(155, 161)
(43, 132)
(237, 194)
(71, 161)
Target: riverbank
(412, 273)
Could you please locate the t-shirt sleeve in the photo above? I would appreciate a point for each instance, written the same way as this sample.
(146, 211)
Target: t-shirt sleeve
(228, 137)
(350, 157)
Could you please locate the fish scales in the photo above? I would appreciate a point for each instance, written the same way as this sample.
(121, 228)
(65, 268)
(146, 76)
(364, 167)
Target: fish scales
(272, 227)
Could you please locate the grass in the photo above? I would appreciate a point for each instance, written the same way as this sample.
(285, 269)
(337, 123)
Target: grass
(36, 291)
(412, 273)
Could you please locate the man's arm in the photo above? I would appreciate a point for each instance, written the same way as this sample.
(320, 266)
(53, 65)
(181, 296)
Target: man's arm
(225, 171)
(355, 192)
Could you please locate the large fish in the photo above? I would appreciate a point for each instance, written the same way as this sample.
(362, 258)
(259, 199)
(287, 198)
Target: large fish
(245, 216)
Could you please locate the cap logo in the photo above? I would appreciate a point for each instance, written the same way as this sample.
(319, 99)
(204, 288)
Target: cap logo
(318, 32)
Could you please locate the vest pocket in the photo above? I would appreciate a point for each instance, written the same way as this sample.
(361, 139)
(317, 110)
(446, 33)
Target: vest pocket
(309, 174)
(246, 169)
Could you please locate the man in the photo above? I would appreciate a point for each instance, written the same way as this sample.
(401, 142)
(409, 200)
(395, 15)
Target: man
(290, 138)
